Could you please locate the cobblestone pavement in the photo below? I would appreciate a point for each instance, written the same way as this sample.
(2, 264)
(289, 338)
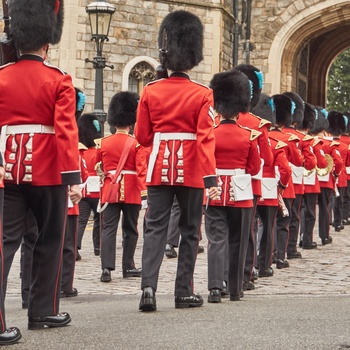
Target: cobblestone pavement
(323, 271)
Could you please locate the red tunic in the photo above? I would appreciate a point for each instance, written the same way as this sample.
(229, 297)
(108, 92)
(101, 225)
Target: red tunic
(293, 154)
(346, 140)
(39, 159)
(344, 152)
(254, 122)
(179, 162)
(89, 157)
(132, 183)
(280, 161)
(235, 148)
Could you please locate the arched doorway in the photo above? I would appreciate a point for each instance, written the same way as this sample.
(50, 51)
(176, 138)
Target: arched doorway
(304, 48)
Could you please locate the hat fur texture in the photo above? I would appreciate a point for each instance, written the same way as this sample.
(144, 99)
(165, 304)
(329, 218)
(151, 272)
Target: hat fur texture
(321, 122)
(184, 40)
(256, 77)
(231, 90)
(283, 108)
(89, 129)
(122, 109)
(298, 115)
(309, 117)
(35, 23)
(264, 110)
(336, 122)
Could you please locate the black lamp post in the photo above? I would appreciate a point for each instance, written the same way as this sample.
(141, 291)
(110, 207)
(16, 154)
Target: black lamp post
(100, 14)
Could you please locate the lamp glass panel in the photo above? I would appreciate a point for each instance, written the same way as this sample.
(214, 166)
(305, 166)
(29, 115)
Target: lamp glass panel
(100, 23)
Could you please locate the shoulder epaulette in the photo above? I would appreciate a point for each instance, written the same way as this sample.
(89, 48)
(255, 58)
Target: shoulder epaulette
(293, 138)
(98, 142)
(196, 82)
(316, 142)
(254, 134)
(308, 138)
(215, 126)
(81, 146)
(280, 144)
(55, 67)
(349, 148)
(334, 143)
(155, 81)
(7, 64)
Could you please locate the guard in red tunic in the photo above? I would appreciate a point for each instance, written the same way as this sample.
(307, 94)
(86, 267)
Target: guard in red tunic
(252, 121)
(228, 216)
(176, 116)
(39, 138)
(305, 145)
(327, 179)
(311, 183)
(89, 130)
(122, 157)
(284, 111)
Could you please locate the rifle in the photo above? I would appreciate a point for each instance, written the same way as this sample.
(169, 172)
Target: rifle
(161, 70)
(8, 51)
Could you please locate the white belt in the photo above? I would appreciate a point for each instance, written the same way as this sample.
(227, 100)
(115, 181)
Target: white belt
(166, 136)
(7, 130)
(124, 172)
(230, 172)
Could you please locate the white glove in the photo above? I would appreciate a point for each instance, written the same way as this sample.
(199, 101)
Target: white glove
(144, 204)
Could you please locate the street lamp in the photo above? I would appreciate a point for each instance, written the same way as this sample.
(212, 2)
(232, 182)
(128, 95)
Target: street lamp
(100, 14)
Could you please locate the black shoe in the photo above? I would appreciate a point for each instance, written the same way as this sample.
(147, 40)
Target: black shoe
(237, 297)
(193, 300)
(327, 240)
(97, 251)
(77, 257)
(248, 285)
(224, 291)
(59, 320)
(200, 249)
(10, 336)
(281, 264)
(132, 273)
(266, 273)
(214, 296)
(294, 255)
(345, 222)
(254, 275)
(69, 293)
(337, 228)
(25, 305)
(170, 252)
(106, 276)
(148, 300)
(312, 245)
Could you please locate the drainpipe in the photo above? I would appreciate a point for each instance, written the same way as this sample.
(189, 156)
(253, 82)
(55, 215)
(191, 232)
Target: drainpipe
(236, 32)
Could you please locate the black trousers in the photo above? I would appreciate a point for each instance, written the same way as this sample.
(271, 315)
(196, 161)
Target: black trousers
(111, 217)
(323, 212)
(27, 247)
(294, 224)
(338, 207)
(2, 294)
(310, 202)
(49, 206)
(282, 229)
(160, 200)
(251, 247)
(267, 215)
(173, 235)
(346, 203)
(85, 207)
(69, 253)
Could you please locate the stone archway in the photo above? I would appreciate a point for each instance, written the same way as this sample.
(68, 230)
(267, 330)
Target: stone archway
(325, 29)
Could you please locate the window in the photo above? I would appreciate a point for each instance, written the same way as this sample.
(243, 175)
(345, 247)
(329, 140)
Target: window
(140, 75)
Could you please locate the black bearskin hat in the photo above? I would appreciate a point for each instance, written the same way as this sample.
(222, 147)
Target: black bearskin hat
(265, 109)
(337, 125)
(122, 109)
(89, 129)
(321, 122)
(184, 32)
(298, 115)
(256, 77)
(231, 91)
(35, 23)
(284, 110)
(310, 114)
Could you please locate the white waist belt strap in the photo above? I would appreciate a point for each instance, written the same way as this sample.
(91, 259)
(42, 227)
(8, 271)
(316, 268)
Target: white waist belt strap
(166, 136)
(7, 130)
(124, 172)
(230, 172)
